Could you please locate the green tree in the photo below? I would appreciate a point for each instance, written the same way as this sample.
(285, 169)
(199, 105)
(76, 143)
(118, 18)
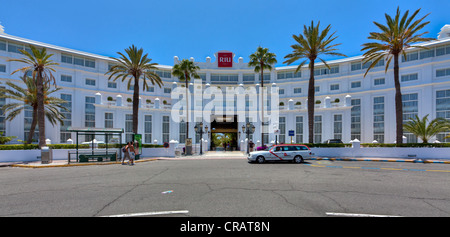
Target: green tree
(397, 35)
(262, 60)
(185, 70)
(134, 66)
(309, 46)
(424, 130)
(28, 97)
(38, 61)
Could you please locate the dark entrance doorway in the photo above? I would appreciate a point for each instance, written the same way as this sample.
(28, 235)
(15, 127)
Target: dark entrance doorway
(224, 133)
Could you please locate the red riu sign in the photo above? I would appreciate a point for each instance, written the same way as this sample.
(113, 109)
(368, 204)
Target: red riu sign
(225, 59)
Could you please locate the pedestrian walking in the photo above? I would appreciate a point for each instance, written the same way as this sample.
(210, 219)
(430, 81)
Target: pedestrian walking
(126, 153)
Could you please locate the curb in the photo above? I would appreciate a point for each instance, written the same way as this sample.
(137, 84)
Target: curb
(74, 164)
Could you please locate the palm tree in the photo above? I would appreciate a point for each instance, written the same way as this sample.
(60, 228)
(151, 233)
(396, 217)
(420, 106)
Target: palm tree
(262, 60)
(133, 67)
(28, 97)
(398, 35)
(185, 70)
(424, 130)
(309, 47)
(42, 67)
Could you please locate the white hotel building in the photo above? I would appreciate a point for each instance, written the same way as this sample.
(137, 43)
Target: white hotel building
(348, 105)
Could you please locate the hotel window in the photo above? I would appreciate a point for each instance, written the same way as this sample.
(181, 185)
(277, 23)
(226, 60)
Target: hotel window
(338, 126)
(266, 77)
(148, 128)
(410, 110)
(89, 112)
(64, 135)
(2, 68)
(356, 119)
(66, 78)
(427, 53)
(356, 66)
(410, 57)
(224, 78)
(66, 58)
(167, 90)
(379, 81)
(131, 87)
(78, 61)
(356, 84)
(163, 74)
(128, 127)
(443, 110)
(2, 115)
(14, 48)
(90, 82)
(410, 77)
(299, 129)
(318, 129)
(89, 63)
(282, 128)
(109, 120)
(439, 50)
(297, 90)
(281, 91)
(334, 87)
(367, 64)
(202, 76)
(378, 119)
(110, 66)
(289, 75)
(112, 84)
(150, 89)
(2, 45)
(443, 72)
(326, 71)
(165, 129)
(249, 78)
(182, 131)
(317, 88)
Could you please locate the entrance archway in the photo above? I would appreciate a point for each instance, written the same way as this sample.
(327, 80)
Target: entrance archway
(224, 133)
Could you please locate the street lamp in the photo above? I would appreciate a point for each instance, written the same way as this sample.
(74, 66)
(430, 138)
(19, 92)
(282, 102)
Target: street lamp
(200, 131)
(248, 129)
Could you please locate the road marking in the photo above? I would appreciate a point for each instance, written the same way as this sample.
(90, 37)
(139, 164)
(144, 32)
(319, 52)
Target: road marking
(150, 213)
(375, 168)
(390, 169)
(356, 215)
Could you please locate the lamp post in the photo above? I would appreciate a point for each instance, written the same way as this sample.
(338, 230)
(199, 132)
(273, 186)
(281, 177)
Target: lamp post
(200, 131)
(248, 129)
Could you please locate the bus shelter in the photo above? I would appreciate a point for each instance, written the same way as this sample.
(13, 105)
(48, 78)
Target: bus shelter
(96, 153)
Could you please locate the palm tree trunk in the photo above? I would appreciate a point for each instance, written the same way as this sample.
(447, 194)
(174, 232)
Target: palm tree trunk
(311, 95)
(187, 105)
(262, 105)
(136, 104)
(33, 125)
(40, 108)
(398, 102)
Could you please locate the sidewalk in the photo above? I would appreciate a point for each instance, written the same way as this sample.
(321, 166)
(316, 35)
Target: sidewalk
(212, 156)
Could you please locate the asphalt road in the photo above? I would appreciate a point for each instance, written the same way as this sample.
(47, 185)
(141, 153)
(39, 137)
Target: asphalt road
(222, 188)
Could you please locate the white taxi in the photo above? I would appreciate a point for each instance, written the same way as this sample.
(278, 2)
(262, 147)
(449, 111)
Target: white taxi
(284, 152)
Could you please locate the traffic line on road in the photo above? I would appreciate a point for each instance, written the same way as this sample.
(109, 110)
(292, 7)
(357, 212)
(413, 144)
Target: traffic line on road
(356, 215)
(376, 168)
(149, 213)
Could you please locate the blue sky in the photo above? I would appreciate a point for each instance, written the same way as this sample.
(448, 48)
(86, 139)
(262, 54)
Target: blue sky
(199, 28)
